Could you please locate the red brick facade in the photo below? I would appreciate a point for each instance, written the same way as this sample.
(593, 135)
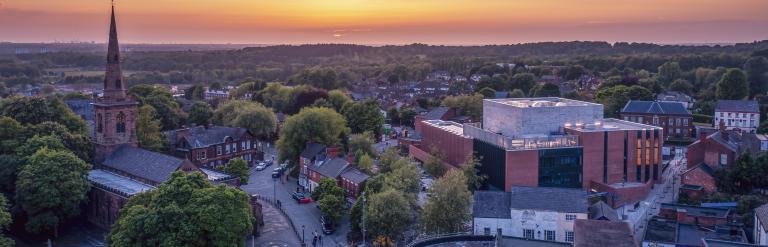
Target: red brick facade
(684, 217)
(711, 152)
(522, 169)
(218, 155)
(698, 177)
(456, 149)
(673, 125)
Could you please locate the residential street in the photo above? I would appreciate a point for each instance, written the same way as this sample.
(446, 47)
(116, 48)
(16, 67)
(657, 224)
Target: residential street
(307, 215)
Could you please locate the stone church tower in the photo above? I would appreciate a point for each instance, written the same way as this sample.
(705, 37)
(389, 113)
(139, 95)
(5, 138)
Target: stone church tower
(114, 112)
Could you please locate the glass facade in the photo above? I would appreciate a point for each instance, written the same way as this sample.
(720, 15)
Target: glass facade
(493, 160)
(560, 167)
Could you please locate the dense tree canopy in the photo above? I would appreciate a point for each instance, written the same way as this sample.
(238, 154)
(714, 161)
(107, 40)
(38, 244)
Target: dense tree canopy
(757, 75)
(364, 116)
(546, 90)
(148, 129)
(447, 210)
(5, 221)
(239, 168)
(387, 214)
(261, 121)
(186, 210)
(168, 110)
(200, 113)
(468, 105)
(614, 98)
(733, 85)
(314, 124)
(37, 110)
(50, 188)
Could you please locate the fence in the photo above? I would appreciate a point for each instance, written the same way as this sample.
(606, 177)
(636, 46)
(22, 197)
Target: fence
(429, 240)
(279, 208)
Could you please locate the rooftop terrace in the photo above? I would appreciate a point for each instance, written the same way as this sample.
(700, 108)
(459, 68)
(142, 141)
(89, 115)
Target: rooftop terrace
(541, 102)
(610, 124)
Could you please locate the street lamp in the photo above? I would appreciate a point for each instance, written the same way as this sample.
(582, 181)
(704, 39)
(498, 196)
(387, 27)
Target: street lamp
(364, 201)
(302, 235)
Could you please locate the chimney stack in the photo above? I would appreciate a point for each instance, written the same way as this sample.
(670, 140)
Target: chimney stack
(721, 125)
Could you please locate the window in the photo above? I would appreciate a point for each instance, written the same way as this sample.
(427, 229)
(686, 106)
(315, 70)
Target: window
(487, 231)
(201, 155)
(568, 236)
(671, 121)
(248, 144)
(655, 120)
(528, 233)
(242, 145)
(677, 131)
(218, 150)
(120, 123)
(234, 147)
(685, 121)
(721, 114)
(100, 124)
(549, 235)
(640, 119)
(570, 217)
(723, 159)
(677, 121)
(227, 149)
(626, 118)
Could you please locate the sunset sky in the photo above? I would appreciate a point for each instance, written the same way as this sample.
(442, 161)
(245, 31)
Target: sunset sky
(386, 21)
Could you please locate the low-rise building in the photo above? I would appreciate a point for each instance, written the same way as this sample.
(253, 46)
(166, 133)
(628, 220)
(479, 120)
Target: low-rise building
(761, 225)
(671, 233)
(673, 117)
(598, 233)
(530, 212)
(743, 115)
(698, 181)
(676, 96)
(214, 146)
(694, 215)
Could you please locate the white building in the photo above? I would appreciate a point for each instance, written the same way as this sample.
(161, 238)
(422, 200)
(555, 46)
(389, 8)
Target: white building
(761, 225)
(525, 117)
(738, 114)
(530, 212)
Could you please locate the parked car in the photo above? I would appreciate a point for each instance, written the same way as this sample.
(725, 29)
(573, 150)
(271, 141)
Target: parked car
(260, 167)
(276, 173)
(327, 225)
(297, 196)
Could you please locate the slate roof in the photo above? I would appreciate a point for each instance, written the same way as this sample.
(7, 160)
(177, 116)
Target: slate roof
(491, 204)
(436, 113)
(601, 211)
(737, 106)
(142, 163)
(355, 175)
(704, 167)
(761, 213)
(311, 150)
(598, 233)
(655, 107)
(699, 211)
(733, 141)
(199, 136)
(550, 199)
(331, 168)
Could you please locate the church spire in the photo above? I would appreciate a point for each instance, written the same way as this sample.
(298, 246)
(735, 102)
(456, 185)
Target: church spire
(113, 79)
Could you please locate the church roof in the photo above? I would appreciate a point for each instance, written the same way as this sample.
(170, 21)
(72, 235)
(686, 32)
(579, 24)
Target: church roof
(143, 163)
(199, 136)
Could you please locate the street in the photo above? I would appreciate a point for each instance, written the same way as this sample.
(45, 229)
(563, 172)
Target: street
(307, 215)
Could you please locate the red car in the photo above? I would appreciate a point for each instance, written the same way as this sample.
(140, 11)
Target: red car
(305, 200)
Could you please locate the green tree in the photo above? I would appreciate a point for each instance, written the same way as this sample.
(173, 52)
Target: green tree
(669, 72)
(337, 99)
(48, 204)
(407, 116)
(365, 163)
(517, 93)
(447, 210)
(331, 198)
(575, 72)
(434, 165)
(79, 144)
(5, 221)
(733, 85)
(327, 186)
(196, 92)
(11, 134)
(364, 116)
(200, 114)
(148, 129)
(186, 210)
(388, 159)
(404, 178)
(757, 74)
(614, 98)
(681, 85)
(471, 170)
(468, 105)
(250, 87)
(546, 90)
(37, 110)
(362, 143)
(170, 113)
(523, 81)
(238, 167)
(387, 214)
(320, 125)
(261, 121)
(488, 93)
(394, 115)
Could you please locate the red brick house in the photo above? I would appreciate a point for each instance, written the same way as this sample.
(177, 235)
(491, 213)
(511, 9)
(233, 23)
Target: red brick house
(700, 175)
(694, 215)
(673, 117)
(347, 176)
(719, 149)
(214, 146)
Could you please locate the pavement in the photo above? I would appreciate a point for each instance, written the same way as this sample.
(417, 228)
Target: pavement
(306, 215)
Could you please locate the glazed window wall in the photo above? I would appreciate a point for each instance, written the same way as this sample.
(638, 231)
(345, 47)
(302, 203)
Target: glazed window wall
(560, 167)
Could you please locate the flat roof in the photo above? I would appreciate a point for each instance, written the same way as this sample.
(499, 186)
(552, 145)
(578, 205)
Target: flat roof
(116, 183)
(611, 124)
(541, 102)
(699, 211)
(215, 175)
(449, 126)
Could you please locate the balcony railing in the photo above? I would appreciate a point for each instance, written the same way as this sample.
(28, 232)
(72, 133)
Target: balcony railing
(522, 143)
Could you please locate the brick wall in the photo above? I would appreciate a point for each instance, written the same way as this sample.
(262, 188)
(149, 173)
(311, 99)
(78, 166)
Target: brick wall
(455, 148)
(522, 168)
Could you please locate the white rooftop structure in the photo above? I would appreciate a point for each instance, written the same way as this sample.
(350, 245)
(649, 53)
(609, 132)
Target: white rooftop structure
(452, 127)
(116, 183)
(537, 117)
